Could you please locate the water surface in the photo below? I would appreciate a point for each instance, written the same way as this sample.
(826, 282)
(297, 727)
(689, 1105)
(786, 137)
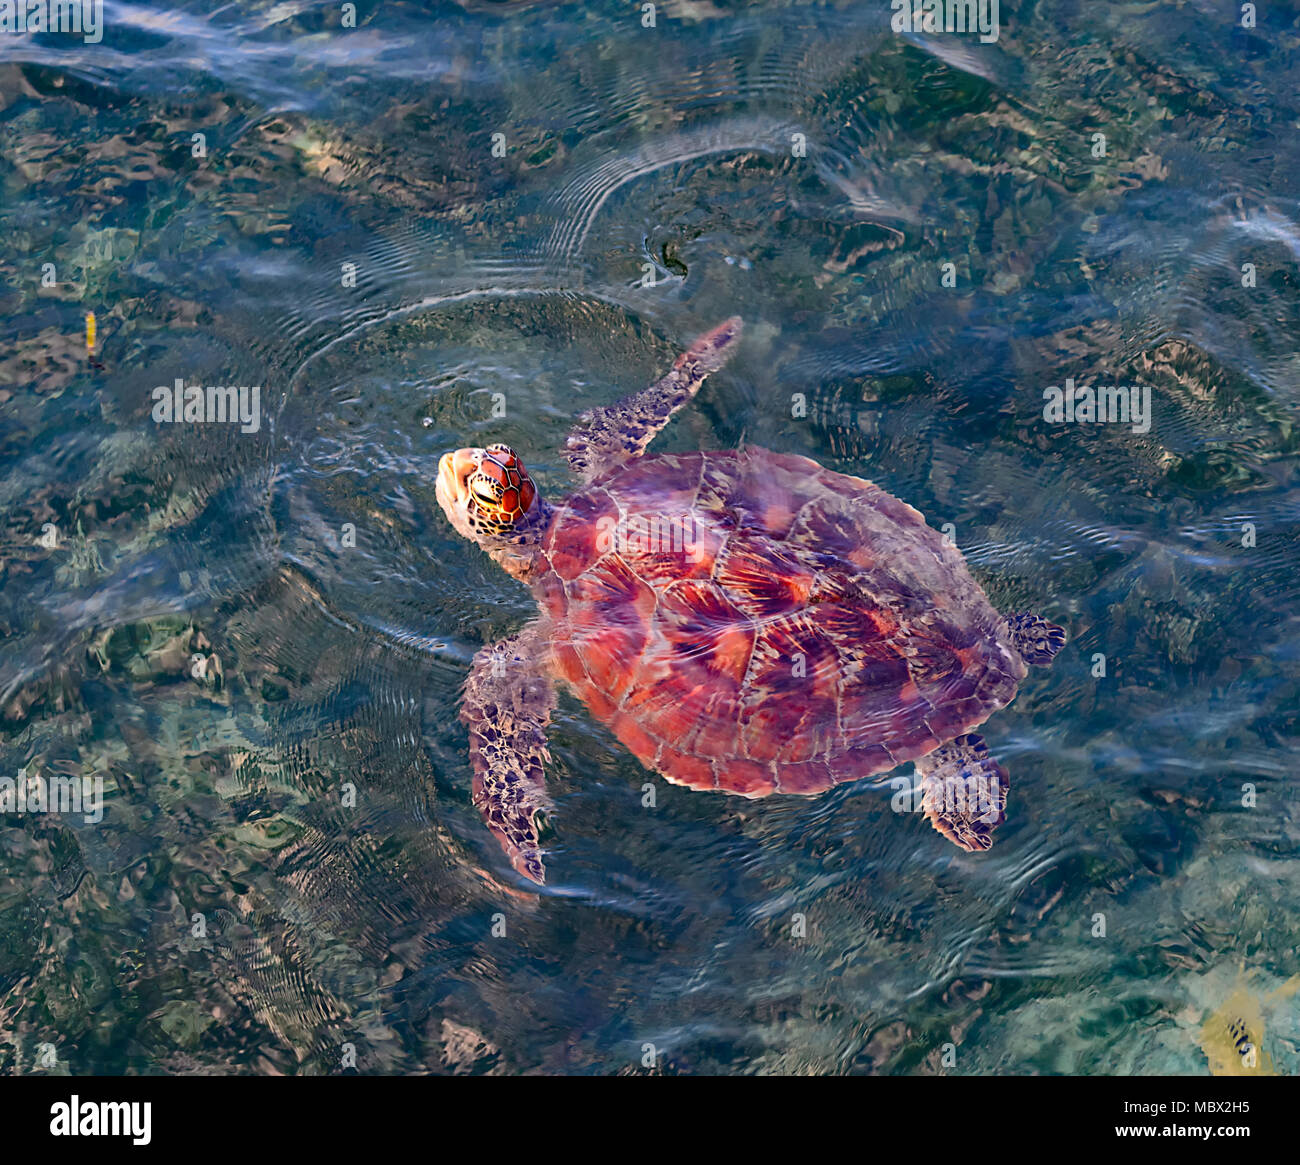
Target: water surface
(350, 242)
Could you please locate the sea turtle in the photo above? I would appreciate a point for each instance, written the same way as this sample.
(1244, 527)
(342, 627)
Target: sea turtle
(743, 620)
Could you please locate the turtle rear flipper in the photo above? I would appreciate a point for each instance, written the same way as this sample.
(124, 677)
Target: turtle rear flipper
(964, 791)
(609, 437)
(1035, 638)
(507, 706)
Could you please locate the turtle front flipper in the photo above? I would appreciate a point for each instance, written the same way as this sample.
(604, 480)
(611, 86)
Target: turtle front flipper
(507, 706)
(963, 791)
(609, 437)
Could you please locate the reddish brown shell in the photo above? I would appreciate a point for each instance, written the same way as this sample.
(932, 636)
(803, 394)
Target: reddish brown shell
(751, 622)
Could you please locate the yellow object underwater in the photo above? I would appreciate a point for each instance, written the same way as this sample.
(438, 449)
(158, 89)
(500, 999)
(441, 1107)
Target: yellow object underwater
(1233, 1037)
(90, 331)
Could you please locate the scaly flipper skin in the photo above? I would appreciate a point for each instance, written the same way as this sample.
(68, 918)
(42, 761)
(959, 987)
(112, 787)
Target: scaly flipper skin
(964, 791)
(1035, 638)
(507, 706)
(605, 439)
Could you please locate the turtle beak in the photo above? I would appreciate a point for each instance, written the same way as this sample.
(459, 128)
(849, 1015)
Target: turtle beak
(447, 483)
(452, 495)
(453, 471)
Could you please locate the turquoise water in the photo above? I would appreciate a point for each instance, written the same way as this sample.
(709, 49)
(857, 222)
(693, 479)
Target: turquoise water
(289, 866)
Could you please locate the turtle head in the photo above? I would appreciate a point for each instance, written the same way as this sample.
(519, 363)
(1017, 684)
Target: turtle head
(489, 498)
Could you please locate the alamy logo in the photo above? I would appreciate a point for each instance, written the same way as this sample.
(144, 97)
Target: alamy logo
(78, 16)
(32, 793)
(978, 797)
(947, 16)
(103, 1118)
(214, 404)
(637, 534)
(1108, 404)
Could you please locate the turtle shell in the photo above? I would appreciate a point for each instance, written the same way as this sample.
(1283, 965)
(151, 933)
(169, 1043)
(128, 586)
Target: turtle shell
(752, 622)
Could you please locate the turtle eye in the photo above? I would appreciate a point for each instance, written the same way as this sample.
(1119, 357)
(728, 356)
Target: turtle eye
(485, 489)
